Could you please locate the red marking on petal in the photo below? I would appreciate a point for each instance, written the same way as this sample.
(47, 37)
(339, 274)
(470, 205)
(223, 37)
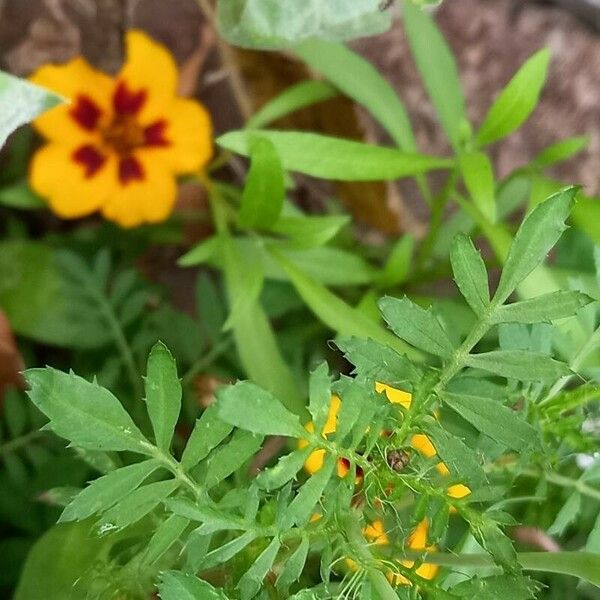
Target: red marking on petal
(90, 158)
(126, 101)
(345, 463)
(155, 134)
(130, 170)
(86, 112)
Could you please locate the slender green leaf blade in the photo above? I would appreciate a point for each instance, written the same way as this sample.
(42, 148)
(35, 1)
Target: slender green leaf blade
(493, 419)
(84, 413)
(548, 307)
(251, 408)
(217, 519)
(519, 364)
(167, 534)
(228, 551)
(285, 470)
(175, 585)
(336, 158)
(319, 393)
(415, 325)
(470, 273)
(163, 394)
(107, 490)
(478, 175)
(536, 236)
(517, 101)
(293, 567)
(251, 582)
(437, 68)
(559, 152)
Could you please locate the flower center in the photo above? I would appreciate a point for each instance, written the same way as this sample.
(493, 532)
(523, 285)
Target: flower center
(124, 135)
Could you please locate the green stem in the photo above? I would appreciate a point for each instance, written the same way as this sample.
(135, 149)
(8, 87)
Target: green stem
(19, 442)
(206, 360)
(562, 481)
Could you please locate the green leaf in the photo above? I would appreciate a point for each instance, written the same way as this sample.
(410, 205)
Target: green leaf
(106, 491)
(20, 195)
(567, 515)
(262, 198)
(399, 262)
(336, 158)
(478, 175)
(227, 459)
(559, 152)
(516, 101)
(167, 534)
(437, 68)
(470, 273)
(136, 505)
(497, 587)
(491, 537)
(519, 364)
(285, 470)
(271, 24)
(293, 566)
(201, 253)
(417, 326)
(216, 519)
(548, 307)
(251, 408)
(209, 431)
(180, 586)
(319, 393)
(359, 80)
(227, 551)
(536, 236)
(163, 394)
(251, 582)
(334, 312)
(310, 231)
(303, 505)
(493, 419)
(457, 456)
(84, 413)
(21, 102)
(586, 216)
(294, 98)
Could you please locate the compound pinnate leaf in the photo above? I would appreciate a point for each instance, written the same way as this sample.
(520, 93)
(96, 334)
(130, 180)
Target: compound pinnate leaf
(84, 413)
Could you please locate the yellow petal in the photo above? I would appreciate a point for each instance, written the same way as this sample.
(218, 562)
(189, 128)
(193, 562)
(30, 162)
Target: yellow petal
(417, 540)
(149, 199)
(75, 81)
(394, 396)
(149, 68)
(189, 133)
(458, 491)
(375, 533)
(423, 445)
(314, 461)
(55, 176)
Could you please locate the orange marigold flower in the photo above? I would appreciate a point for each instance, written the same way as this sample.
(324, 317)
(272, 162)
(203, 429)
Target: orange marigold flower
(119, 144)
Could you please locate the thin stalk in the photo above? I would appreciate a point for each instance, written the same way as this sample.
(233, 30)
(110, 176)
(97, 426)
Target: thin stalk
(206, 360)
(19, 442)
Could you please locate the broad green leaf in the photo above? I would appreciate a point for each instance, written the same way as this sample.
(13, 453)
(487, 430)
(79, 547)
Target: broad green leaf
(106, 491)
(415, 325)
(519, 364)
(272, 24)
(227, 459)
(536, 236)
(319, 393)
(57, 562)
(285, 470)
(478, 175)
(209, 431)
(303, 505)
(263, 195)
(335, 313)
(457, 456)
(336, 158)
(496, 587)
(567, 515)
(175, 585)
(215, 518)
(293, 566)
(21, 102)
(251, 582)
(516, 101)
(251, 408)
(359, 80)
(20, 195)
(136, 505)
(559, 152)
(227, 551)
(310, 231)
(548, 307)
(494, 541)
(493, 419)
(470, 273)
(255, 340)
(437, 68)
(399, 262)
(167, 534)
(84, 413)
(163, 394)
(294, 98)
